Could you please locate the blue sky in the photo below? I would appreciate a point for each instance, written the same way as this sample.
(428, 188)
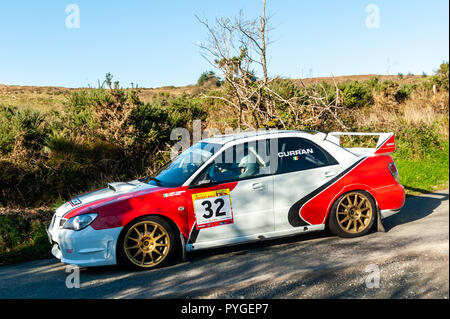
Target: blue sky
(153, 43)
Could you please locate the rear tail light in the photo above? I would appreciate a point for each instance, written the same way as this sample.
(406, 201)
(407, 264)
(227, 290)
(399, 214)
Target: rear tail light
(394, 172)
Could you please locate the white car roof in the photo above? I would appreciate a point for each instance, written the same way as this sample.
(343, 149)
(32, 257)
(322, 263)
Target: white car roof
(224, 139)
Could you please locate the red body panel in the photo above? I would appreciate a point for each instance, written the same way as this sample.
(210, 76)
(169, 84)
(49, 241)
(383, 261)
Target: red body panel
(371, 175)
(118, 211)
(387, 147)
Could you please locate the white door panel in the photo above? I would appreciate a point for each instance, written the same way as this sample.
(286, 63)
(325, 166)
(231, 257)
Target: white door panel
(291, 187)
(304, 167)
(252, 205)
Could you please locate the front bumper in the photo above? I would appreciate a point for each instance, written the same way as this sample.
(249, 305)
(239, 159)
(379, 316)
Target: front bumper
(87, 247)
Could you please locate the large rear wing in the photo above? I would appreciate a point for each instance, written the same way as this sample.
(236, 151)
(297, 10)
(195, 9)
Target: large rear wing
(385, 144)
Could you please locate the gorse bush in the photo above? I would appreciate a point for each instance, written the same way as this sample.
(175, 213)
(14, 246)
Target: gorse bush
(356, 94)
(441, 76)
(80, 112)
(7, 129)
(403, 93)
(25, 128)
(209, 77)
(286, 88)
(393, 90)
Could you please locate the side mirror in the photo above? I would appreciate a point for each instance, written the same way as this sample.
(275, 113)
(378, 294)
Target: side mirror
(203, 179)
(206, 179)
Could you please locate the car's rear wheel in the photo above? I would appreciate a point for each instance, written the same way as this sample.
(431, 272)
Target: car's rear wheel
(146, 243)
(352, 214)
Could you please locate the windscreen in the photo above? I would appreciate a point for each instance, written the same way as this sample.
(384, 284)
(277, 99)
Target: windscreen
(184, 165)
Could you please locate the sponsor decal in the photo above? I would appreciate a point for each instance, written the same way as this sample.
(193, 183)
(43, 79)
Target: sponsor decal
(212, 208)
(75, 201)
(173, 194)
(296, 153)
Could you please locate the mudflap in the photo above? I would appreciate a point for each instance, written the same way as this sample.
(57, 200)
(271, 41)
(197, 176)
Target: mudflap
(380, 227)
(183, 247)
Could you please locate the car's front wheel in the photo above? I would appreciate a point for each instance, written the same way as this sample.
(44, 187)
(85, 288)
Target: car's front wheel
(146, 243)
(352, 214)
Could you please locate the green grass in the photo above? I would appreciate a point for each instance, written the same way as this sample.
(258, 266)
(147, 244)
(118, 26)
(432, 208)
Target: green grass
(423, 174)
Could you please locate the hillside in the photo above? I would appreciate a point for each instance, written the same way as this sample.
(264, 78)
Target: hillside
(53, 97)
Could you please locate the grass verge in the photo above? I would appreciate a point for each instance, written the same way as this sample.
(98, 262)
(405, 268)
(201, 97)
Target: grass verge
(424, 174)
(23, 234)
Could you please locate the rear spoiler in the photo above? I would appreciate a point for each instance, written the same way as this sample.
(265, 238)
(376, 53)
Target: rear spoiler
(385, 144)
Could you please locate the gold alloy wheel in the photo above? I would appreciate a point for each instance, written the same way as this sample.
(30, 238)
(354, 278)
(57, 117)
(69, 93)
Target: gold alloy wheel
(146, 244)
(354, 213)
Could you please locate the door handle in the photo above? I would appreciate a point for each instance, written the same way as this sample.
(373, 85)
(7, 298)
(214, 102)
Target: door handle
(257, 187)
(329, 174)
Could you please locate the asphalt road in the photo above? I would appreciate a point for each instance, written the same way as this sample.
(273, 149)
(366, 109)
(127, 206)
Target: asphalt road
(410, 260)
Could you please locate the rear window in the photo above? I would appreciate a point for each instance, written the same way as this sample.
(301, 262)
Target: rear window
(298, 154)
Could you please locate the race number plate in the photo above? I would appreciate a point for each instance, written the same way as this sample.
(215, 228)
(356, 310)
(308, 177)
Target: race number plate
(213, 208)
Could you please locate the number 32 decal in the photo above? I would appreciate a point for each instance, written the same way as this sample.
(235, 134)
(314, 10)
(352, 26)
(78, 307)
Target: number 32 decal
(207, 204)
(213, 208)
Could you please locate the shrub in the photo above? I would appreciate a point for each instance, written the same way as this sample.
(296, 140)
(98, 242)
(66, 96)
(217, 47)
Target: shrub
(23, 235)
(356, 94)
(208, 77)
(404, 93)
(7, 130)
(287, 89)
(441, 76)
(373, 83)
(25, 130)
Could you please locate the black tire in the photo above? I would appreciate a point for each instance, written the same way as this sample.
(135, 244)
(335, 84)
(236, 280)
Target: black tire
(151, 252)
(349, 217)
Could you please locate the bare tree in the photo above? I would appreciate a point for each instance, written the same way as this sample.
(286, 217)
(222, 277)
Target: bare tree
(238, 48)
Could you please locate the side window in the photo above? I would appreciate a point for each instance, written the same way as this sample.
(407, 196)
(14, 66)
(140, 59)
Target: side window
(241, 161)
(297, 154)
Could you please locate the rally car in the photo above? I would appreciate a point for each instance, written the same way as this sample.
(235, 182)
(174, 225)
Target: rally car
(232, 189)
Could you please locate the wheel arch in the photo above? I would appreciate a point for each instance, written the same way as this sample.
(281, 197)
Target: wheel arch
(347, 189)
(173, 224)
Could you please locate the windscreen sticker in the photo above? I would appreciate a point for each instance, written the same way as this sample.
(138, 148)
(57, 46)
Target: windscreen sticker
(213, 208)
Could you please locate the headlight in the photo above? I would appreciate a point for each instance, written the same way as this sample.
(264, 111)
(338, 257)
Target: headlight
(79, 222)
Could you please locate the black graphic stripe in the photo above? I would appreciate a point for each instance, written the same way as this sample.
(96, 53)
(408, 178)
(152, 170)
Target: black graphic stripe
(193, 235)
(294, 212)
(384, 142)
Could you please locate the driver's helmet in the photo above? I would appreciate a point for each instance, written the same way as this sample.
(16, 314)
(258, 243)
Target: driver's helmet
(248, 163)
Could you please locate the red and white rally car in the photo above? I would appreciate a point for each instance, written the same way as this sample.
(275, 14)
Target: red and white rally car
(232, 189)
